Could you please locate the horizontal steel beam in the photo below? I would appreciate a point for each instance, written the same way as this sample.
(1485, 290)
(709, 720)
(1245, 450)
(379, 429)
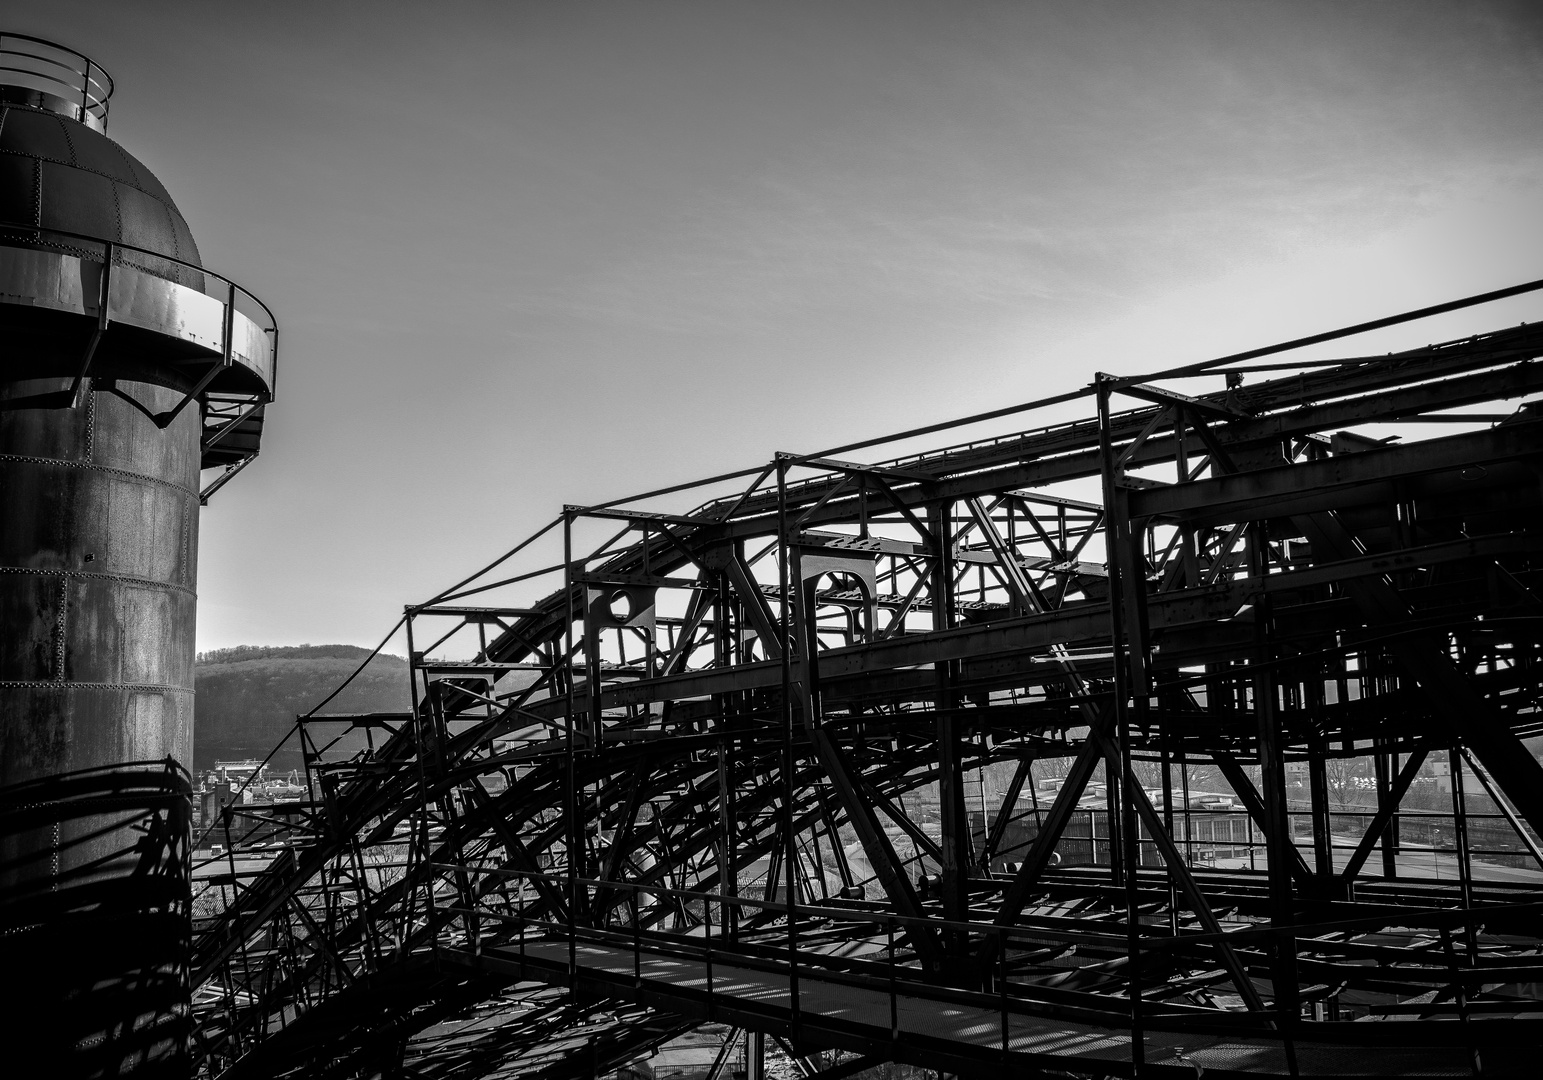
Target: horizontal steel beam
(1291, 489)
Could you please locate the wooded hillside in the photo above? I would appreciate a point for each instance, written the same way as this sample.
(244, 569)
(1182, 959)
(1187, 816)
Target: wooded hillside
(248, 696)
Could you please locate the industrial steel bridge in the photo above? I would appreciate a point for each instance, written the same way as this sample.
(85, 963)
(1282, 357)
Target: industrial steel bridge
(1181, 731)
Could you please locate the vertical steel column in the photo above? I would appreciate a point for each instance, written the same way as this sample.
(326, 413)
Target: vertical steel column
(1464, 864)
(420, 849)
(1272, 782)
(1115, 541)
(434, 698)
(570, 770)
(728, 879)
(1189, 832)
(1133, 597)
(1384, 797)
(755, 1055)
(1167, 763)
(1318, 793)
(1190, 559)
(1393, 839)
(954, 823)
(785, 640)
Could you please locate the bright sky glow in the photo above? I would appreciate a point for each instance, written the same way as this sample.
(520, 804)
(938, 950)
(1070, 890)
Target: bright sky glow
(537, 253)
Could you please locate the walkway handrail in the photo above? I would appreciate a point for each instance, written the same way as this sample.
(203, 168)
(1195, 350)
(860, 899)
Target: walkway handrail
(230, 287)
(1436, 918)
(88, 88)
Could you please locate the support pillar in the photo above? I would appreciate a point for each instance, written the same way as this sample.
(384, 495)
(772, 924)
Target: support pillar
(755, 1055)
(955, 821)
(1272, 782)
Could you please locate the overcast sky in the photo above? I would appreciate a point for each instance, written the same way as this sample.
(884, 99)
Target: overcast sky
(528, 254)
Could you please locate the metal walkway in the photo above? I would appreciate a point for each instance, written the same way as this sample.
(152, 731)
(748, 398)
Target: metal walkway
(941, 1027)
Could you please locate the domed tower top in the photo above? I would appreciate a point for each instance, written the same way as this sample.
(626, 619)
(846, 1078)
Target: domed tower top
(61, 173)
(87, 232)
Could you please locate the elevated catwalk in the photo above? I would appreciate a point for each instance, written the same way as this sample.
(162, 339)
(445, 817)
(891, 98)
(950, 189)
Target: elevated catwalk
(1185, 730)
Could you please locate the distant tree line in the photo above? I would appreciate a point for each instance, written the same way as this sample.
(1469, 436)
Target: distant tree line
(297, 652)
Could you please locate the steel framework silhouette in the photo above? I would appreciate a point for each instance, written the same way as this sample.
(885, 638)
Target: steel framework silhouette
(903, 758)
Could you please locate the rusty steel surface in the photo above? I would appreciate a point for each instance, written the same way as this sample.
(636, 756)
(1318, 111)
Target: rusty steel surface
(127, 369)
(99, 545)
(1189, 728)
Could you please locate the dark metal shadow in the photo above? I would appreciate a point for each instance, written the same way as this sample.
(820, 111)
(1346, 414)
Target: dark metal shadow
(94, 914)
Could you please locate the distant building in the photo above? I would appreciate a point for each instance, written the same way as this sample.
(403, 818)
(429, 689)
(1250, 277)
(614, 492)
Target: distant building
(240, 772)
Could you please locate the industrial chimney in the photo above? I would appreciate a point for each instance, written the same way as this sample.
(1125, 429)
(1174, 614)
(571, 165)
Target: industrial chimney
(126, 370)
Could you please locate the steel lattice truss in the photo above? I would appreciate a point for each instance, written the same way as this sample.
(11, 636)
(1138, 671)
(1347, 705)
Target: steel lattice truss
(957, 699)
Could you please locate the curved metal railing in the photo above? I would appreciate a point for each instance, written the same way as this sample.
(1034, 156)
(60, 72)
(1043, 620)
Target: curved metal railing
(187, 274)
(67, 81)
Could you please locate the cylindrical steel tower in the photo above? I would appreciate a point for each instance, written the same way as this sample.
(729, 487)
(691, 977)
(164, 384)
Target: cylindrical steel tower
(126, 369)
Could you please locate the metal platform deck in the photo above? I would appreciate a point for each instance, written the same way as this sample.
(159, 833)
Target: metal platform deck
(934, 1030)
